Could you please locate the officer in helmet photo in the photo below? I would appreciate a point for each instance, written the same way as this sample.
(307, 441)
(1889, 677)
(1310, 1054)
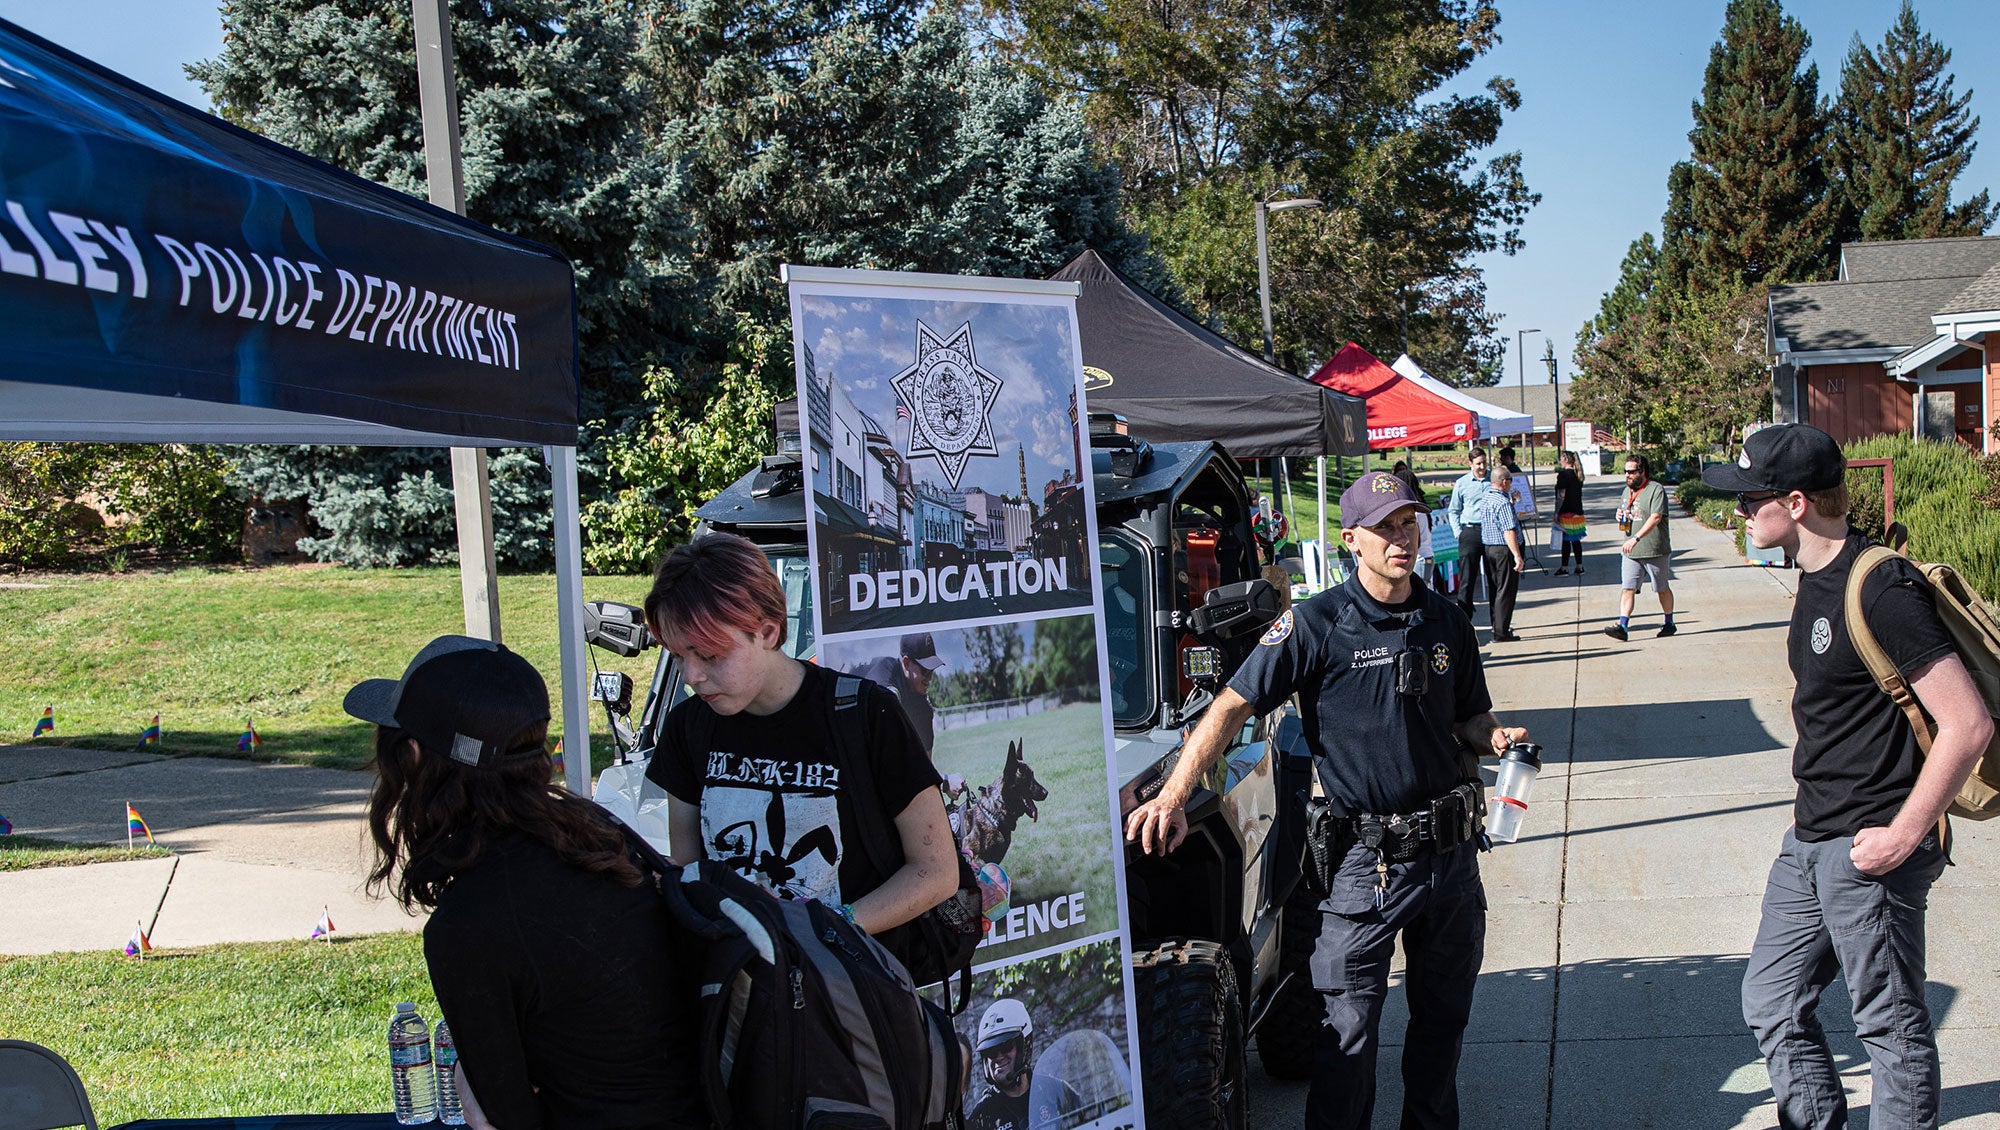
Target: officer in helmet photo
(1006, 1051)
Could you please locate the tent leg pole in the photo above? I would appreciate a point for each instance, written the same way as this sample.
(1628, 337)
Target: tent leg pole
(1322, 523)
(1285, 472)
(472, 500)
(569, 620)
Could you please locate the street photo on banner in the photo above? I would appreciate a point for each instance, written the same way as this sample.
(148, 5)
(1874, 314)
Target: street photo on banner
(946, 453)
(1012, 716)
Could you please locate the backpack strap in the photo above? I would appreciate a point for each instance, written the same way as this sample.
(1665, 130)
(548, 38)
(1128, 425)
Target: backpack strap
(1891, 681)
(849, 727)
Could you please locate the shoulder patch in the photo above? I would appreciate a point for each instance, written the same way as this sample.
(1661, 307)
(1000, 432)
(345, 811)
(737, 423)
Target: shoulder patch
(1278, 630)
(1440, 658)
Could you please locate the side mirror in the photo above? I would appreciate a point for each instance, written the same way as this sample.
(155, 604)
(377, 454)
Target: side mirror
(617, 628)
(1229, 611)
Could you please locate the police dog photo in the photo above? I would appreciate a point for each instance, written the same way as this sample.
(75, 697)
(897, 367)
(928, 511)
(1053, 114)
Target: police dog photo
(1014, 722)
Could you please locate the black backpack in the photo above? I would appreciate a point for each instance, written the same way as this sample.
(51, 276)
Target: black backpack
(936, 946)
(806, 1023)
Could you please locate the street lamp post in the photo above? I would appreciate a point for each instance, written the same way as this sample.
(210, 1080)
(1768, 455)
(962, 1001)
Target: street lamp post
(1556, 388)
(1264, 263)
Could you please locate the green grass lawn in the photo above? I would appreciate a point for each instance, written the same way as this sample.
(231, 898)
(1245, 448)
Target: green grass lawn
(1069, 848)
(25, 853)
(206, 649)
(269, 1028)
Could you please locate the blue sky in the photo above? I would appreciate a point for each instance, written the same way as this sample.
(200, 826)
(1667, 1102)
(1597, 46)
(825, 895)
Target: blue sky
(1605, 85)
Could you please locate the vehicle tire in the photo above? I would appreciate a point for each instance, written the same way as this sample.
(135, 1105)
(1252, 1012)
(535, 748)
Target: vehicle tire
(1290, 1027)
(1191, 1037)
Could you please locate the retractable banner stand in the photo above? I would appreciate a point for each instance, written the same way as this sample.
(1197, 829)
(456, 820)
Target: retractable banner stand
(953, 531)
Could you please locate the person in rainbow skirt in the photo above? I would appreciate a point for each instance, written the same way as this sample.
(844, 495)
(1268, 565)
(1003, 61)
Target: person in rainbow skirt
(1569, 511)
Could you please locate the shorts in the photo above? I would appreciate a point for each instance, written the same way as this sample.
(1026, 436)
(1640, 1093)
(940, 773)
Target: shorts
(1635, 570)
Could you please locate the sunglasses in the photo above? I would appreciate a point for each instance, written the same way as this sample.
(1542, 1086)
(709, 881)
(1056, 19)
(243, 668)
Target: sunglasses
(1745, 503)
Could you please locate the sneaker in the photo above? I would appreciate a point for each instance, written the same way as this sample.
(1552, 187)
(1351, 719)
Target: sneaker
(1666, 631)
(1561, 571)
(1615, 632)
(1579, 568)
(1510, 637)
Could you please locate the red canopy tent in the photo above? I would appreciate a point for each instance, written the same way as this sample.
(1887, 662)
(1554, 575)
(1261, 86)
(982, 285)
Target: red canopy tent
(1401, 413)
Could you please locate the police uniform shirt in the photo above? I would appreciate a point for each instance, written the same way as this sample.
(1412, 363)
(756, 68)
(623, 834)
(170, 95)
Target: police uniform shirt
(1376, 750)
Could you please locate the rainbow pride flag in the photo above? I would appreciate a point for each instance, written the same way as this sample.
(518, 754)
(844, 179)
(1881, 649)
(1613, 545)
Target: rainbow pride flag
(151, 736)
(556, 758)
(1571, 526)
(46, 724)
(248, 741)
(323, 928)
(135, 825)
(138, 944)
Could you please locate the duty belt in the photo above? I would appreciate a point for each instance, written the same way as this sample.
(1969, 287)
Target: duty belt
(1449, 821)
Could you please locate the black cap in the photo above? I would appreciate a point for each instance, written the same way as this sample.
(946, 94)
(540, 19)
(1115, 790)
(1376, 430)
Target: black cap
(1782, 457)
(462, 698)
(919, 649)
(1373, 497)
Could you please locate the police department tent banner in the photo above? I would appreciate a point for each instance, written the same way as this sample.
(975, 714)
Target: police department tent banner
(149, 248)
(951, 517)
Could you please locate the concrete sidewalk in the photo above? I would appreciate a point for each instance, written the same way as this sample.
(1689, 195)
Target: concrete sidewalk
(1621, 921)
(260, 850)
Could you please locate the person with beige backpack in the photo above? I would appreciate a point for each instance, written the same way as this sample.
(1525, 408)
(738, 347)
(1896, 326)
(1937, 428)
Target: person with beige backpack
(1847, 892)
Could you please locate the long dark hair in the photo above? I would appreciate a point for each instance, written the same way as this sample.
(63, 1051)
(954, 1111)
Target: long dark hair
(432, 817)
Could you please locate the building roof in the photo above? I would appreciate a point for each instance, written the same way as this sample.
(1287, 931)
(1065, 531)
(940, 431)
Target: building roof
(1981, 296)
(1887, 314)
(1540, 398)
(1890, 259)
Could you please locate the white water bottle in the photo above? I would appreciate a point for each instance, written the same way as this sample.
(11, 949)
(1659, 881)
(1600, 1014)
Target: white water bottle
(411, 1076)
(1508, 802)
(451, 1110)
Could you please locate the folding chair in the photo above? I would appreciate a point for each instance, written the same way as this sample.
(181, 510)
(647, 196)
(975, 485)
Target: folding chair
(39, 1090)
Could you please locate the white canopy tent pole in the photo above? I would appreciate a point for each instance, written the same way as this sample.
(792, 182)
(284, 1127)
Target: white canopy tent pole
(1324, 557)
(569, 619)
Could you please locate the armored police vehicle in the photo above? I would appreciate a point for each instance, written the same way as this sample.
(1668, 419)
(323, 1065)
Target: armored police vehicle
(1184, 603)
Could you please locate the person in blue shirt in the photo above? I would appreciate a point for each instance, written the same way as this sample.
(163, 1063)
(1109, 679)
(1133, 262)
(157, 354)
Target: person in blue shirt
(1389, 684)
(1464, 517)
(1500, 545)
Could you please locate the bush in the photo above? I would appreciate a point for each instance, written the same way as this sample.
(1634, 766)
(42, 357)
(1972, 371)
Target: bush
(171, 500)
(1945, 497)
(1712, 508)
(376, 507)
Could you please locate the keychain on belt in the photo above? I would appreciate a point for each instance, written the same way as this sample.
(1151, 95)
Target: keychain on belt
(1369, 830)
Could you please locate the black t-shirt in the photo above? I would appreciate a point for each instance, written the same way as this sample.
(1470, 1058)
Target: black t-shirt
(1000, 1111)
(1376, 750)
(567, 982)
(1857, 757)
(1569, 492)
(773, 795)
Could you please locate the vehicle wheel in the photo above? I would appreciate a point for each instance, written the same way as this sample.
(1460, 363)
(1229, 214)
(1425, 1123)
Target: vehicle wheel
(1191, 1037)
(1290, 1027)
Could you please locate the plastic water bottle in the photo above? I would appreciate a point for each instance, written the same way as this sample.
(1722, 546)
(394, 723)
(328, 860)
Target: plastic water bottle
(451, 1110)
(1508, 802)
(411, 1075)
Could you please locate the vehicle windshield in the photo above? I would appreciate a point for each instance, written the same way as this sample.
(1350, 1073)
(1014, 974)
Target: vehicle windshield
(1127, 601)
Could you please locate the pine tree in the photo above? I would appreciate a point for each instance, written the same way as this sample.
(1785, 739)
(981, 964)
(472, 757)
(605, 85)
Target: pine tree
(1637, 276)
(1901, 137)
(1757, 198)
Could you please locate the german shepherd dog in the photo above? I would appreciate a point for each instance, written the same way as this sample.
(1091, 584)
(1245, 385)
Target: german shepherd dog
(991, 811)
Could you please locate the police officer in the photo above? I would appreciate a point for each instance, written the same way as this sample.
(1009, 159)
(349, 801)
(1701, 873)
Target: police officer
(1389, 683)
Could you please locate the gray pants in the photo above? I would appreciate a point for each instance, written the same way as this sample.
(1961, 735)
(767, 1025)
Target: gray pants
(1823, 917)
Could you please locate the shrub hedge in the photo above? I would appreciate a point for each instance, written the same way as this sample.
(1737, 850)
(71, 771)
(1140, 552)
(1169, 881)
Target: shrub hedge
(1946, 496)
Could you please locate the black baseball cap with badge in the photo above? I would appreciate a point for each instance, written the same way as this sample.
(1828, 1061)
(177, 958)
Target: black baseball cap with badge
(919, 648)
(1373, 497)
(1783, 458)
(462, 698)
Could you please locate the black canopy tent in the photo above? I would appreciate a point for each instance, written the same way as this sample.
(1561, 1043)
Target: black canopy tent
(168, 277)
(1174, 379)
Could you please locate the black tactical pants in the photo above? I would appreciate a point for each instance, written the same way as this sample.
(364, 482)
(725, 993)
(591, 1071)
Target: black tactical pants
(1439, 906)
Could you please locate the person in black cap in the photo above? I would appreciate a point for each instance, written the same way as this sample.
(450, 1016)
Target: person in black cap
(555, 966)
(1847, 892)
(910, 674)
(1395, 704)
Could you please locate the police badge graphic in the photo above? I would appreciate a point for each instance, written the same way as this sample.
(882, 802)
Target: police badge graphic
(1440, 658)
(950, 399)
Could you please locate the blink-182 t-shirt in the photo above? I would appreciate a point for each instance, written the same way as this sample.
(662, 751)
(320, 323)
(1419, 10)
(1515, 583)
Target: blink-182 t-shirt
(776, 803)
(1857, 757)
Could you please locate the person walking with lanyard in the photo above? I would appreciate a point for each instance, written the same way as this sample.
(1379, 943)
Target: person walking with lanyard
(1463, 513)
(1388, 677)
(1847, 892)
(1648, 551)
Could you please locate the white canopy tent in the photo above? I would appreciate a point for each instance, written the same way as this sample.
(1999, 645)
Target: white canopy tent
(168, 278)
(1494, 421)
